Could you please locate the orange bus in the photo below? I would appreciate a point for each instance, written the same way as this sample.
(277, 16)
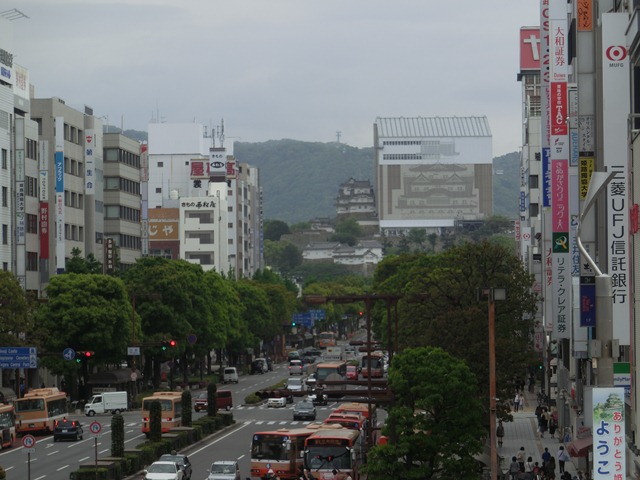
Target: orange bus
(326, 339)
(334, 453)
(373, 362)
(279, 450)
(353, 421)
(171, 404)
(358, 409)
(39, 409)
(7, 426)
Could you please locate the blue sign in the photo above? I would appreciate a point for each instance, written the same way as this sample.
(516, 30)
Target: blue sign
(546, 177)
(69, 354)
(308, 319)
(18, 357)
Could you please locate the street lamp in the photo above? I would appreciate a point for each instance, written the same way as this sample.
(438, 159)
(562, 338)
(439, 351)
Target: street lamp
(492, 295)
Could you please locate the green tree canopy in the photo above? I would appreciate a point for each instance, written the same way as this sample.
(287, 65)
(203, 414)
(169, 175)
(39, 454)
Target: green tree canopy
(274, 229)
(440, 307)
(435, 425)
(15, 310)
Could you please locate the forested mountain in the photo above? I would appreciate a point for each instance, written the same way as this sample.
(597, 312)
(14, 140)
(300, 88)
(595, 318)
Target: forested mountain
(300, 180)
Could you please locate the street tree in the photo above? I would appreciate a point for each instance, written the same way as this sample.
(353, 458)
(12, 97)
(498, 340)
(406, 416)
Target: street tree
(78, 264)
(15, 311)
(85, 312)
(435, 425)
(274, 229)
(440, 307)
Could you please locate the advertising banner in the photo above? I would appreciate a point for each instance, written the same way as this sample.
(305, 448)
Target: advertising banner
(609, 438)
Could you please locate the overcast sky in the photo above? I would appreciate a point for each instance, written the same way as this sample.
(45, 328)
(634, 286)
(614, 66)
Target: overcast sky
(273, 69)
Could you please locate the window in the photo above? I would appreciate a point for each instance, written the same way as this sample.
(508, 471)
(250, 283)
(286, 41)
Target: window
(158, 190)
(32, 261)
(5, 234)
(5, 197)
(32, 223)
(533, 181)
(4, 159)
(160, 164)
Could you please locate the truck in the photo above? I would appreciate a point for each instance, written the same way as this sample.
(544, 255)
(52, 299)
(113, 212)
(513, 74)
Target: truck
(107, 402)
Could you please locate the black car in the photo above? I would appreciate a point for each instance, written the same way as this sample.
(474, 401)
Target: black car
(257, 366)
(66, 429)
(304, 411)
(182, 461)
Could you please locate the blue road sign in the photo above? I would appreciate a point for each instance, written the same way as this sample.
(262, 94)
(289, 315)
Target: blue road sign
(69, 354)
(18, 357)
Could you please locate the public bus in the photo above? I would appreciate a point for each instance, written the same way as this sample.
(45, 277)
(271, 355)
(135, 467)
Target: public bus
(39, 409)
(352, 421)
(357, 408)
(7, 426)
(331, 371)
(373, 362)
(280, 450)
(334, 452)
(326, 339)
(171, 405)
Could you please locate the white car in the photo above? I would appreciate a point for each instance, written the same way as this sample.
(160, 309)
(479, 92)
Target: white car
(279, 402)
(295, 385)
(163, 471)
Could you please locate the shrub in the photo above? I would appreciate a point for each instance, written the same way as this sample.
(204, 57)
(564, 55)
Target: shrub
(186, 408)
(212, 400)
(117, 436)
(155, 421)
(252, 399)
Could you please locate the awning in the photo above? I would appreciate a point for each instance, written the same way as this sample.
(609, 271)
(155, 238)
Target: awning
(580, 447)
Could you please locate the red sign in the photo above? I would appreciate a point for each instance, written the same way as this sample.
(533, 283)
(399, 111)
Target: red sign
(529, 48)
(44, 230)
(559, 108)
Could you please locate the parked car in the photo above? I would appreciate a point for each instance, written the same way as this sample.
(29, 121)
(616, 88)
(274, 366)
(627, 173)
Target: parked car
(277, 402)
(295, 367)
(67, 429)
(304, 411)
(182, 461)
(224, 470)
(163, 471)
(352, 372)
(230, 375)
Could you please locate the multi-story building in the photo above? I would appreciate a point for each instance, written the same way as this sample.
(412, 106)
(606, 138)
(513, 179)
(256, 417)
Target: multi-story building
(185, 163)
(356, 199)
(432, 172)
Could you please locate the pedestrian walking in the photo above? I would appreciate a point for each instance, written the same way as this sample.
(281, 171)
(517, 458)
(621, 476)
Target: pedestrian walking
(516, 402)
(544, 422)
(563, 457)
(546, 456)
(528, 466)
(550, 469)
(553, 423)
(514, 468)
(521, 457)
(500, 433)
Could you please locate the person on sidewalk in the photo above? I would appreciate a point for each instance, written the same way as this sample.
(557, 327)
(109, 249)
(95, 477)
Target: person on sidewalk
(521, 457)
(563, 457)
(500, 432)
(550, 469)
(544, 422)
(546, 456)
(514, 468)
(516, 402)
(528, 466)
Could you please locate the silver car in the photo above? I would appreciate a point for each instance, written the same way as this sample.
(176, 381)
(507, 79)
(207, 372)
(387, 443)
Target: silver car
(224, 470)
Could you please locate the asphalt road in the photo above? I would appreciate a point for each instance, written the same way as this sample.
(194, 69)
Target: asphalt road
(53, 461)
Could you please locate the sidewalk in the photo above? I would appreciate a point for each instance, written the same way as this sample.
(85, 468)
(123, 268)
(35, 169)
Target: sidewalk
(522, 432)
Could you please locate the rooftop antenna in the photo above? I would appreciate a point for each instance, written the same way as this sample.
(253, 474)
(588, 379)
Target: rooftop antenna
(338, 133)
(13, 14)
(221, 133)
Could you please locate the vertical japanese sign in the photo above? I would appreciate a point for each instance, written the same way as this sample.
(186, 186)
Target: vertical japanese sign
(59, 178)
(615, 112)
(559, 155)
(609, 442)
(43, 185)
(89, 162)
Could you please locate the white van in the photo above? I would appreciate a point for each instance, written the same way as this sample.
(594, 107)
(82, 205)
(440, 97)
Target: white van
(230, 375)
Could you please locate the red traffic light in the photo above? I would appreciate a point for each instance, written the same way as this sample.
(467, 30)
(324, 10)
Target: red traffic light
(172, 343)
(88, 354)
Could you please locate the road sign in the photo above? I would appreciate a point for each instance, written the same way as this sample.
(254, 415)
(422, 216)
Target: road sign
(133, 351)
(18, 357)
(69, 354)
(28, 441)
(95, 427)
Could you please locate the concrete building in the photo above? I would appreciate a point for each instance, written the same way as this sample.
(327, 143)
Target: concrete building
(432, 172)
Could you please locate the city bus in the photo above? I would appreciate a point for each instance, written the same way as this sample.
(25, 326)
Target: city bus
(7, 426)
(373, 362)
(279, 450)
(39, 409)
(353, 421)
(335, 452)
(357, 408)
(171, 405)
(331, 371)
(326, 339)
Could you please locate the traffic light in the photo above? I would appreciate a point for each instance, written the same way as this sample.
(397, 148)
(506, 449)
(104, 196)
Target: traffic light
(172, 343)
(165, 344)
(83, 355)
(293, 323)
